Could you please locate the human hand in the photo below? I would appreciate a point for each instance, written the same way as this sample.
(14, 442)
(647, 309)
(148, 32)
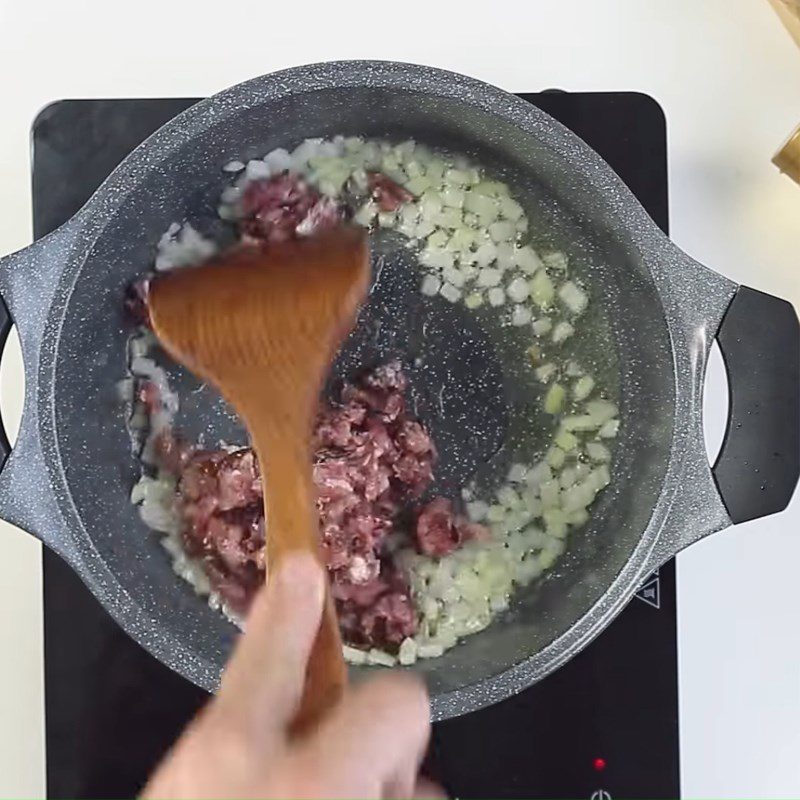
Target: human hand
(369, 746)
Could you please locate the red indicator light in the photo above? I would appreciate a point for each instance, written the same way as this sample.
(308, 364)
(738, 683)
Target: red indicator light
(599, 764)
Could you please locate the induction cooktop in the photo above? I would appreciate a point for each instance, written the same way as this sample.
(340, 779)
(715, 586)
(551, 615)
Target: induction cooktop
(603, 726)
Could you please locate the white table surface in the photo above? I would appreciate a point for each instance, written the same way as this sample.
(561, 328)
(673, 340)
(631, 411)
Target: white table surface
(728, 78)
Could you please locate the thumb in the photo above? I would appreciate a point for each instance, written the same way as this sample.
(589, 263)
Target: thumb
(265, 676)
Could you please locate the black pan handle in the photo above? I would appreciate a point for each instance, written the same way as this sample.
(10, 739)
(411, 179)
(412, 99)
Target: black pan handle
(5, 327)
(758, 466)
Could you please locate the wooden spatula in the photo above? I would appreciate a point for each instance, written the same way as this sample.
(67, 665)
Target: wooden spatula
(263, 324)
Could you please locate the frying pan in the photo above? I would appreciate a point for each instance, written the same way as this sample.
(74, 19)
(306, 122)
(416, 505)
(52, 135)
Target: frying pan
(67, 479)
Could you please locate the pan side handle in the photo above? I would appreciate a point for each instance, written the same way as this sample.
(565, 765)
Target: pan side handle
(5, 328)
(758, 466)
(28, 283)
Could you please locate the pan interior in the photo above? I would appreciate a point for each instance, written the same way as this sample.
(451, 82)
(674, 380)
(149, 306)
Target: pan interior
(624, 341)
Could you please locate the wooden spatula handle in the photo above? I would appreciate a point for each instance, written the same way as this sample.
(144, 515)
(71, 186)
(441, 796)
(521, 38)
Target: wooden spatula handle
(289, 507)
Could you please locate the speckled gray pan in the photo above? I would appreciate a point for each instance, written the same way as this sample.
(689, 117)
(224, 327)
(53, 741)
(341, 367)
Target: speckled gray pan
(68, 477)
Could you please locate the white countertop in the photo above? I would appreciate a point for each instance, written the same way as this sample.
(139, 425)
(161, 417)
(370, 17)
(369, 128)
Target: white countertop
(728, 78)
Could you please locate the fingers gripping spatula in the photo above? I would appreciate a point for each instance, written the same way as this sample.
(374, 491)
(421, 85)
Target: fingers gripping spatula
(263, 325)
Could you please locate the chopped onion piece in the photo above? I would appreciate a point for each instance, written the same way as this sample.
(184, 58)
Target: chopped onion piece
(610, 429)
(545, 372)
(527, 260)
(579, 422)
(542, 326)
(496, 513)
(481, 205)
(438, 239)
(418, 185)
(550, 493)
(583, 387)
(255, 170)
(436, 258)
(597, 451)
(386, 219)
(578, 496)
(539, 474)
(556, 457)
(352, 655)
(430, 650)
(568, 477)
(502, 231)
(555, 521)
(574, 369)
(508, 497)
(518, 290)
(430, 285)
(510, 208)
(454, 276)
(450, 292)
(566, 440)
(542, 289)
(448, 218)
(379, 658)
(231, 194)
(562, 331)
(554, 399)
(456, 176)
(496, 296)
(476, 510)
(574, 298)
(430, 204)
(453, 197)
(485, 254)
(407, 653)
(474, 300)
(505, 256)
(233, 166)
(365, 215)
(521, 315)
(601, 410)
(557, 261)
(599, 477)
(517, 473)
(489, 276)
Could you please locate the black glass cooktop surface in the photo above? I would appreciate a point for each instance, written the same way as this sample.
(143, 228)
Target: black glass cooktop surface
(603, 726)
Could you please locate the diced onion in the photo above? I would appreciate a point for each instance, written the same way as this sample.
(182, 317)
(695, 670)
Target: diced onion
(474, 300)
(496, 296)
(477, 510)
(601, 410)
(527, 260)
(562, 331)
(583, 387)
(556, 261)
(566, 440)
(609, 430)
(556, 457)
(545, 372)
(518, 290)
(554, 399)
(542, 289)
(450, 292)
(542, 326)
(550, 493)
(539, 474)
(521, 315)
(574, 298)
(598, 451)
(430, 285)
(517, 473)
(489, 276)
